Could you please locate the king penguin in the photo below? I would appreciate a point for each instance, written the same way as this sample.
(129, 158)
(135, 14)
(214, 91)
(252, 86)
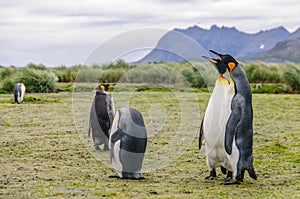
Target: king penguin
(101, 116)
(128, 142)
(19, 92)
(227, 125)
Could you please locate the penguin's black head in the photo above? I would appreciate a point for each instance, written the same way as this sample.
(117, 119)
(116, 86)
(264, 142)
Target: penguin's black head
(224, 64)
(104, 87)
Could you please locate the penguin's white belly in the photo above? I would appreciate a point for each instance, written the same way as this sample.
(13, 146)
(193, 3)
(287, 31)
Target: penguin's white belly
(214, 126)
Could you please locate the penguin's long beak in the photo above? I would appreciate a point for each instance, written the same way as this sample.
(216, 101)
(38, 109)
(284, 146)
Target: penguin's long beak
(210, 59)
(217, 54)
(226, 74)
(216, 63)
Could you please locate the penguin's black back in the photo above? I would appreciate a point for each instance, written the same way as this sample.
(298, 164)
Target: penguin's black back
(17, 92)
(101, 105)
(241, 122)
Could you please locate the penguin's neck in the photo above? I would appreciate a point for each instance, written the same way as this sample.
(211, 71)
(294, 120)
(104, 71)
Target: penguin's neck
(242, 85)
(101, 92)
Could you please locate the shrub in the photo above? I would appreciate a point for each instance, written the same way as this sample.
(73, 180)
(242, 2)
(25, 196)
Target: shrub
(36, 66)
(6, 72)
(292, 77)
(261, 72)
(88, 74)
(193, 77)
(65, 74)
(38, 81)
(151, 73)
(111, 75)
(8, 85)
(119, 64)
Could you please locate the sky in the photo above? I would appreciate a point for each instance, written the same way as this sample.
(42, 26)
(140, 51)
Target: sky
(65, 32)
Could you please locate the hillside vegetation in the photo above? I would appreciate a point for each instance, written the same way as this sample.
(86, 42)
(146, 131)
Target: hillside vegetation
(285, 78)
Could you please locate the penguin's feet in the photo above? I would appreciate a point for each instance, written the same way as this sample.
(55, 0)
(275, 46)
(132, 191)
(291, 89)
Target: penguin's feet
(231, 182)
(224, 170)
(135, 178)
(105, 148)
(228, 177)
(212, 175)
(114, 176)
(97, 148)
(211, 178)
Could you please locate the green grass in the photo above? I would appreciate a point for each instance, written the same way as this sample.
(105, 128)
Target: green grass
(43, 156)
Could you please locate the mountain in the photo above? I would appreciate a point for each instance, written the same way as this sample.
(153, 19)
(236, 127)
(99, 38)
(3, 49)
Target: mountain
(295, 34)
(288, 50)
(221, 39)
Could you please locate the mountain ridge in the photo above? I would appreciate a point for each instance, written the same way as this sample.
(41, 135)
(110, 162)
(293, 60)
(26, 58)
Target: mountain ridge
(241, 45)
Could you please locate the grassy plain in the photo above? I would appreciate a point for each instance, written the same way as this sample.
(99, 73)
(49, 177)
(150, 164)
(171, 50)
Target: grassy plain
(42, 155)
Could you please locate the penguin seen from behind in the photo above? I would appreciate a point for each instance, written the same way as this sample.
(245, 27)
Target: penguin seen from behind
(128, 142)
(19, 93)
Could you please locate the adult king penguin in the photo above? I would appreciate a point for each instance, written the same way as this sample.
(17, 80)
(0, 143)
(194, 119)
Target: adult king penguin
(101, 117)
(227, 125)
(19, 92)
(128, 142)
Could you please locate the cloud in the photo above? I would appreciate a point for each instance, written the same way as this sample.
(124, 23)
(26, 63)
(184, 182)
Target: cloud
(65, 31)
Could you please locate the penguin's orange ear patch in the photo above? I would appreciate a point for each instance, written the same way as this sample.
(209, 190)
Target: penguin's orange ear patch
(231, 65)
(102, 87)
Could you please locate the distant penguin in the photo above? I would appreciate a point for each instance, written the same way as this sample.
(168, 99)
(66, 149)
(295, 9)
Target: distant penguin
(128, 142)
(101, 117)
(19, 92)
(227, 125)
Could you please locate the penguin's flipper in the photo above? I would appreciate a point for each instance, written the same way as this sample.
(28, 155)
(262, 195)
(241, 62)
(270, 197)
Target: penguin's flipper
(117, 135)
(110, 109)
(20, 90)
(231, 127)
(89, 131)
(201, 134)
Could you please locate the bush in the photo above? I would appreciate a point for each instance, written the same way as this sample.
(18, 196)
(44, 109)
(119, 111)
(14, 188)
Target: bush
(119, 64)
(292, 77)
(8, 85)
(88, 74)
(6, 72)
(260, 72)
(36, 66)
(110, 75)
(65, 74)
(151, 73)
(193, 77)
(38, 81)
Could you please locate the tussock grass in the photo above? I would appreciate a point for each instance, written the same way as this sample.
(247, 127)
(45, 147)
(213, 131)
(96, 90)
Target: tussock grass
(42, 155)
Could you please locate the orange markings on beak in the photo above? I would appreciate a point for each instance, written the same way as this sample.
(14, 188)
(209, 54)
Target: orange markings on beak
(210, 59)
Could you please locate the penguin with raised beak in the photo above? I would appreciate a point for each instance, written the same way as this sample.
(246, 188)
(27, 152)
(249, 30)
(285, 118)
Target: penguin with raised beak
(227, 126)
